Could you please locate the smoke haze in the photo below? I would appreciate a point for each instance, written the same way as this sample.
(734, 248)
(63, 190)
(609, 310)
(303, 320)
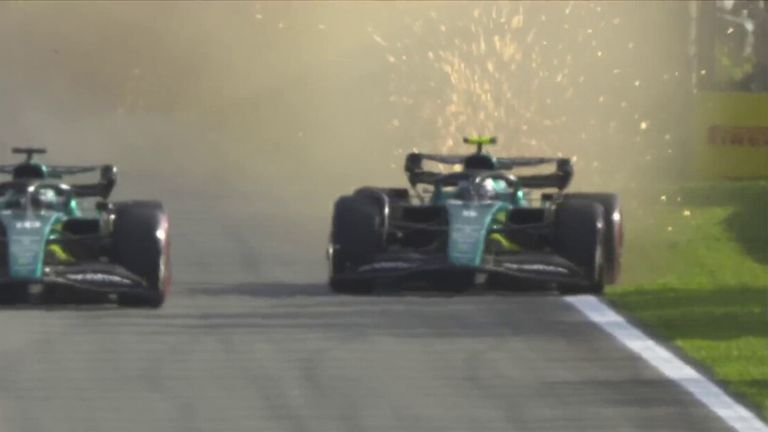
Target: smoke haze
(262, 113)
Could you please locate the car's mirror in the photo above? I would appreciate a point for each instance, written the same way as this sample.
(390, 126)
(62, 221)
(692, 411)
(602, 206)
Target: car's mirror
(413, 163)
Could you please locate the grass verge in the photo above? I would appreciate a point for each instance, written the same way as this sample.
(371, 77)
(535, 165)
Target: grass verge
(696, 272)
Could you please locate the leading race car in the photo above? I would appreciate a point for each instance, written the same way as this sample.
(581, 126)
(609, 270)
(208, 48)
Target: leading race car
(480, 223)
(51, 246)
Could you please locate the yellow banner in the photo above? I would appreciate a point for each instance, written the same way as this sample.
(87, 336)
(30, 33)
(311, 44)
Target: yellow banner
(732, 134)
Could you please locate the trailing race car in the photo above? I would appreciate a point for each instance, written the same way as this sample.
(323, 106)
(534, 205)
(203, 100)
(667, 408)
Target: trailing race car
(479, 223)
(52, 247)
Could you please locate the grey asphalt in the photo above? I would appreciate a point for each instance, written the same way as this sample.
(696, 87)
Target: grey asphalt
(226, 354)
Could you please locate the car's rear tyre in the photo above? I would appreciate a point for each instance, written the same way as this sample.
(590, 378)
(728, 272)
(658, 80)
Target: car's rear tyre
(140, 244)
(579, 228)
(356, 238)
(613, 234)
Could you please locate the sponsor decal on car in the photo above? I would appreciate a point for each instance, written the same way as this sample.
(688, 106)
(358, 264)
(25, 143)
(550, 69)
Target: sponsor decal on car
(28, 224)
(536, 268)
(94, 277)
(467, 233)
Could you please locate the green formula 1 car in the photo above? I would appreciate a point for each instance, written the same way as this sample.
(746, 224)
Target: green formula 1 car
(54, 246)
(477, 224)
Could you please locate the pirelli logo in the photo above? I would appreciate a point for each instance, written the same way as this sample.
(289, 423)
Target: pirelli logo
(756, 136)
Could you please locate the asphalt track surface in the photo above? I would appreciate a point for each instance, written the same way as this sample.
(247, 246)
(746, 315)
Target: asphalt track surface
(233, 355)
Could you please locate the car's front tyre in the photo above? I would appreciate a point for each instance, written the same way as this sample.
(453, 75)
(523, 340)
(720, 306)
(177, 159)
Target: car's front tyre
(613, 234)
(356, 238)
(579, 227)
(141, 245)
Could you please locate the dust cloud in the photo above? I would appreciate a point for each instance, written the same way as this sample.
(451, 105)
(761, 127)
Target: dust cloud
(248, 119)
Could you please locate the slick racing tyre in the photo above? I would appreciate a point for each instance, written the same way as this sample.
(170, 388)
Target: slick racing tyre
(613, 235)
(140, 244)
(579, 238)
(356, 238)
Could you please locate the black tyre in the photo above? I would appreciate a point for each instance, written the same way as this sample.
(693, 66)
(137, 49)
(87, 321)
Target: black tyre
(140, 244)
(356, 238)
(613, 234)
(579, 228)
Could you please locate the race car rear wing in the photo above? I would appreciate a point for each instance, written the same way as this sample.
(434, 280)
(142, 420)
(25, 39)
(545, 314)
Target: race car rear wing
(30, 171)
(559, 179)
(102, 188)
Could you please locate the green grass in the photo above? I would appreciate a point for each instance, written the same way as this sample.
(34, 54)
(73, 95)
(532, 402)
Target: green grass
(696, 274)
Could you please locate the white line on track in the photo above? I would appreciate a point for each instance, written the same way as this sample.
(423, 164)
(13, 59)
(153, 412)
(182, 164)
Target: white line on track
(738, 417)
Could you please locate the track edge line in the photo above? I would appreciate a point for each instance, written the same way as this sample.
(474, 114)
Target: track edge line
(702, 388)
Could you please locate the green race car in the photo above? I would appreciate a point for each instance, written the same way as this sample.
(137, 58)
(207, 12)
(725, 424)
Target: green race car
(480, 223)
(55, 246)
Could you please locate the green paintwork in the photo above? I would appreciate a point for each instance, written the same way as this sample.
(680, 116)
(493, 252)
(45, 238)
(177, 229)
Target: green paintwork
(473, 220)
(29, 228)
(470, 223)
(27, 233)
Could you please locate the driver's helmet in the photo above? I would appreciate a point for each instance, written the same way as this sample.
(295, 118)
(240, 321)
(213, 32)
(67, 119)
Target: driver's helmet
(45, 198)
(491, 188)
(488, 189)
